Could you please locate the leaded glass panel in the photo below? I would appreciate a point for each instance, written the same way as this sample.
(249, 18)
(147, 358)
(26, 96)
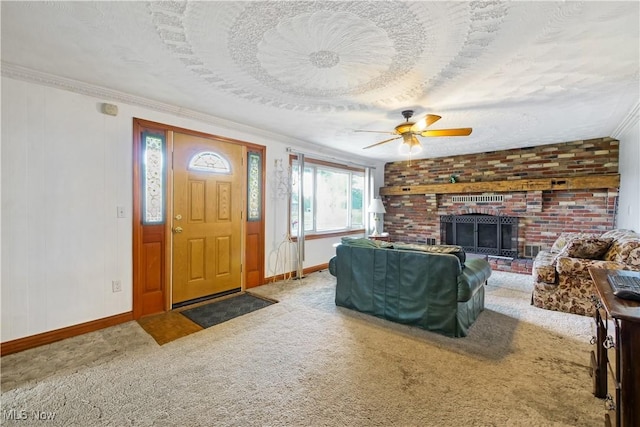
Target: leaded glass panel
(153, 179)
(208, 161)
(254, 172)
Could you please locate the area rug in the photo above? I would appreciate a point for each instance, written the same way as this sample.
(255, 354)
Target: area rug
(217, 312)
(168, 326)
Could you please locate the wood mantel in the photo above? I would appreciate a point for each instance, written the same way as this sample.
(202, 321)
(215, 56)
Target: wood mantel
(537, 184)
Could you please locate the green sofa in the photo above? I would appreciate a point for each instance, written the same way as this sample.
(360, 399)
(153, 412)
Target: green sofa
(411, 284)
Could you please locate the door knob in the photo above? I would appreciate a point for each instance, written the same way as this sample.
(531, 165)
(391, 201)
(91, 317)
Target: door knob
(177, 230)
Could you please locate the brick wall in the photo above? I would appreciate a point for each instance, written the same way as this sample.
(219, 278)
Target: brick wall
(543, 214)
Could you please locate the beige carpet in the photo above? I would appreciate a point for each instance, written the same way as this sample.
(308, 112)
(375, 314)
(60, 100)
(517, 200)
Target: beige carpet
(306, 362)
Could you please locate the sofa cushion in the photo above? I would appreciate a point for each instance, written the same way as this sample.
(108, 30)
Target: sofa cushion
(458, 251)
(561, 241)
(576, 270)
(625, 247)
(620, 233)
(365, 243)
(624, 251)
(588, 248)
(565, 237)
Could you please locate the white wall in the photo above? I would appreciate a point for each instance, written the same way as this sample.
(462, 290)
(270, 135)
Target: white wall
(629, 201)
(65, 169)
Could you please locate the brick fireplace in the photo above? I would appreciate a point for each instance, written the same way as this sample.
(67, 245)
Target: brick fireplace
(571, 186)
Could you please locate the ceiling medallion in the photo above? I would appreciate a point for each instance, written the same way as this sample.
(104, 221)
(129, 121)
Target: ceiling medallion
(301, 53)
(272, 41)
(321, 54)
(324, 59)
(298, 55)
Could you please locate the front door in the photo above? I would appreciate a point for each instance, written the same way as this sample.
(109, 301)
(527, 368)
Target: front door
(208, 194)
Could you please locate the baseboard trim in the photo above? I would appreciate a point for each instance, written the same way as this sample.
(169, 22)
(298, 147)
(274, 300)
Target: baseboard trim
(33, 341)
(294, 274)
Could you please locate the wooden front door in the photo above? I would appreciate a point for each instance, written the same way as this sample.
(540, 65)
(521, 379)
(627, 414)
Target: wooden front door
(208, 203)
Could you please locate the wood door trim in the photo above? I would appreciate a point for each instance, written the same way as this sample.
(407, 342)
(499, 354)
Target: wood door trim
(161, 126)
(136, 227)
(140, 303)
(255, 228)
(168, 231)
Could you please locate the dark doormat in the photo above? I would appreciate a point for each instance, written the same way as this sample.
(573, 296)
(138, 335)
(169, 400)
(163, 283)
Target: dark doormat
(220, 311)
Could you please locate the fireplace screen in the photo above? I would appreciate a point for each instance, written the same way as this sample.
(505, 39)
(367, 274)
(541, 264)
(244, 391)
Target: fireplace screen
(481, 234)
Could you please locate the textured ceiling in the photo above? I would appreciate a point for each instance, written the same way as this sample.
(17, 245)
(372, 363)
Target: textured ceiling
(519, 73)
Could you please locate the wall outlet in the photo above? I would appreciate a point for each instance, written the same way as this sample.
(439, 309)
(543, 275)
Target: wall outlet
(121, 213)
(116, 286)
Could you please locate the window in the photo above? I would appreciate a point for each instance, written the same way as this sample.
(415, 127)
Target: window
(254, 188)
(208, 161)
(153, 182)
(333, 197)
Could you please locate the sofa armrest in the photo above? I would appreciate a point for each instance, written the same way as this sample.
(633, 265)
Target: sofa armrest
(544, 267)
(332, 266)
(473, 276)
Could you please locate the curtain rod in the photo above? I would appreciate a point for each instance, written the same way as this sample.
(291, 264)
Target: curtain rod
(328, 158)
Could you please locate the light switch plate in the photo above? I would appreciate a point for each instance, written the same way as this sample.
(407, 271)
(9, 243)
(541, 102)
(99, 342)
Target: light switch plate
(116, 286)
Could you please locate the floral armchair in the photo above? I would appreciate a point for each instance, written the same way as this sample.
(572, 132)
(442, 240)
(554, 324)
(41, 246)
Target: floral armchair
(561, 274)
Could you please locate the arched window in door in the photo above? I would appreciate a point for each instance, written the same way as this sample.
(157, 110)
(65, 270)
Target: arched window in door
(208, 161)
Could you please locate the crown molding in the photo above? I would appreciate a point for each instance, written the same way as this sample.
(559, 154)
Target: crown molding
(38, 77)
(629, 121)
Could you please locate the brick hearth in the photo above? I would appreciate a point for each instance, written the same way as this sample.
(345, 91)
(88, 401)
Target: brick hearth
(542, 214)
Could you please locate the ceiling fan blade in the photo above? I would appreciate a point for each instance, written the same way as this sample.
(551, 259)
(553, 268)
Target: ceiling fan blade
(425, 122)
(383, 142)
(447, 132)
(375, 131)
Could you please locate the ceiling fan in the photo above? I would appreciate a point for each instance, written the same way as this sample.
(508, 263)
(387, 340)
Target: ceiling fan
(408, 131)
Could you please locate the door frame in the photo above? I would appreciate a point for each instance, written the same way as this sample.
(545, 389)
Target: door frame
(152, 245)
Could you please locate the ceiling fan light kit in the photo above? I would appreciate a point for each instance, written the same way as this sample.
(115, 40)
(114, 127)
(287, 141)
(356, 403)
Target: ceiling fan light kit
(409, 130)
(410, 144)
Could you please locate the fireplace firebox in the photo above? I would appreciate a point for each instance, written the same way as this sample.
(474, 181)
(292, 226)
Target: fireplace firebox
(481, 234)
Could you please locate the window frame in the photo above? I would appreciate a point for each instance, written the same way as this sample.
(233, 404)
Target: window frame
(315, 234)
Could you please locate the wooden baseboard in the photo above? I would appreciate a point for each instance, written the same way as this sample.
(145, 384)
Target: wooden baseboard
(32, 341)
(294, 274)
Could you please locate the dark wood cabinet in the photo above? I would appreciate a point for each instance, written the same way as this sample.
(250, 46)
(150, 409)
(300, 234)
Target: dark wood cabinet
(617, 351)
